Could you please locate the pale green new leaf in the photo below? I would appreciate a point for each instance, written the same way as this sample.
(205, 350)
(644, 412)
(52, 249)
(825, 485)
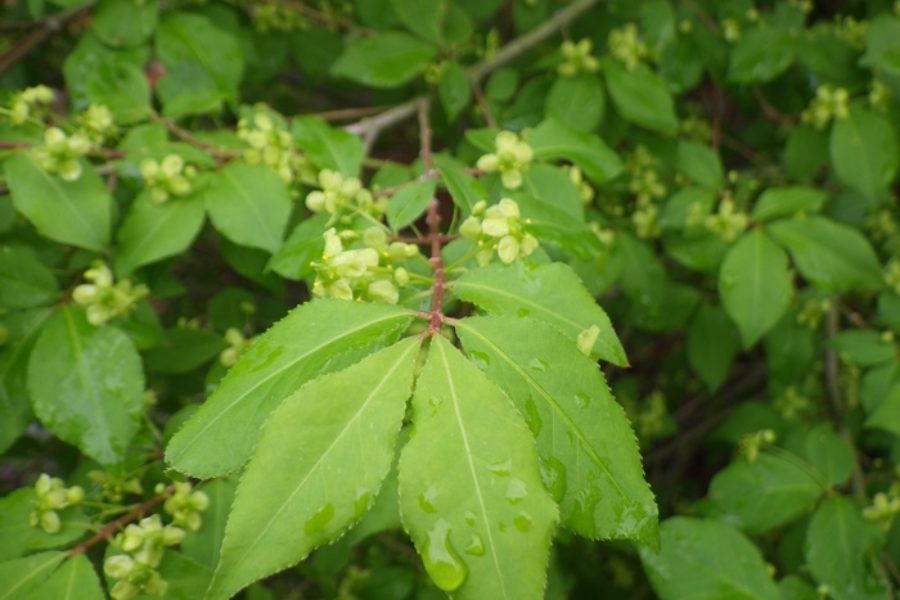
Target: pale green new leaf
(830, 255)
(315, 338)
(589, 455)
(75, 579)
(327, 147)
(839, 547)
(755, 285)
(330, 445)
(766, 493)
(706, 560)
(72, 212)
(87, 384)
(471, 495)
(552, 293)
(22, 576)
(408, 204)
(864, 151)
(250, 205)
(153, 231)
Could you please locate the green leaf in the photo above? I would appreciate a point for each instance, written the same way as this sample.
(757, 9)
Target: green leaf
(882, 45)
(204, 65)
(327, 147)
(554, 140)
(552, 293)
(590, 460)
(422, 17)
(76, 212)
(762, 54)
(465, 190)
(22, 576)
(454, 90)
(119, 23)
(776, 202)
(769, 492)
(24, 280)
(830, 255)
(553, 223)
(641, 97)
(152, 232)
(250, 205)
(554, 188)
(712, 343)
(15, 405)
(839, 547)
(303, 246)
(409, 204)
(706, 560)
(700, 163)
(755, 285)
(75, 579)
(328, 469)
(204, 545)
(18, 537)
(829, 453)
(315, 338)
(864, 348)
(887, 414)
(384, 60)
(184, 349)
(577, 102)
(471, 495)
(87, 385)
(864, 151)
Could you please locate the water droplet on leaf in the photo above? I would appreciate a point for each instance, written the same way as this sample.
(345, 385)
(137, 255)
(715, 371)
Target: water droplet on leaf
(523, 521)
(443, 564)
(553, 472)
(475, 546)
(516, 491)
(316, 523)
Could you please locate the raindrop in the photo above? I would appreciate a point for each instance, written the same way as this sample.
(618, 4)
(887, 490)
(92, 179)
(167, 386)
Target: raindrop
(470, 518)
(553, 472)
(481, 360)
(441, 561)
(582, 400)
(538, 365)
(316, 523)
(426, 499)
(361, 504)
(533, 417)
(523, 312)
(522, 521)
(475, 546)
(516, 491)
(503, 469)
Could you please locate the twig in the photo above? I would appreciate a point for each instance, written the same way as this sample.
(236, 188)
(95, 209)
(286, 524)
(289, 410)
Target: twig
(107, 531)
(769, 110)
(218, 154)
(348, 113)
(48, 27)
(482, 104)
(433, 219)
(425, 136)
(427, 175)
(321, 17)
(370, 127)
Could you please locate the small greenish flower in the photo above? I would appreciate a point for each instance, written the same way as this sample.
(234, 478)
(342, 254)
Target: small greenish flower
(103, 298)
(511, 158)
(625, 44)
(28, 104)
(731, 30)
(167, 177)
(50, 496)
(237, 343)
(892, 275)
(271, 144)
(752, 443)
(585, 191)
(577, 58)
(879, 96)
(97, 123)
(499, 229)
(728, 222)
(185, 505)
(829, 103)
(340, 194)
(61, 153)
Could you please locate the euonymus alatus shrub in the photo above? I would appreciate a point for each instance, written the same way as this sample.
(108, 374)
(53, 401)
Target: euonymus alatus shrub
(302, 299)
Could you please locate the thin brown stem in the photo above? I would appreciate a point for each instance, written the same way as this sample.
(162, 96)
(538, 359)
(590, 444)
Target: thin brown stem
(433, 219)
(425, 136)
(110, 529)
(221, 156)
(35, 38)
(483, 105)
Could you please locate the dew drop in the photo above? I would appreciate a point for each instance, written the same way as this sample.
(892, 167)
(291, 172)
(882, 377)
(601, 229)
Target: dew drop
(501, 526)
(316, 523)
(426, 499)
(443, 564)
(582, 400)
(516, 491)
(361, 505)
(533, 417)
(435, 402)
(502, 469)
(522, 312)
(538, 365)
(480, 359)
(470, 518)
(475, 546)
(553, 472)
(522, 521)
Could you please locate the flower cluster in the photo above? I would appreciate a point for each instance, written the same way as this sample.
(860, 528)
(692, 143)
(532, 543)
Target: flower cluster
(96, 123)
(791, 404)
(368, 273)
(237, 343)
(276, 17)
(626, 45)
(727, 222)
(510, 158)
(892, 275)
(104, 298)
(585, 191)
(885, 506)
(339, 193)
(498, 228)
(61, 153)
(811, 313)
(852, 31)
(26, 103)
(644, 182)
(879, 96)
(731, 29)
(577, 58)
(167, 177)
(272, 145)
(185, 505)
(829, 103)
(114, 487)
(142, 545)
(50, 495)
(752, 443)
